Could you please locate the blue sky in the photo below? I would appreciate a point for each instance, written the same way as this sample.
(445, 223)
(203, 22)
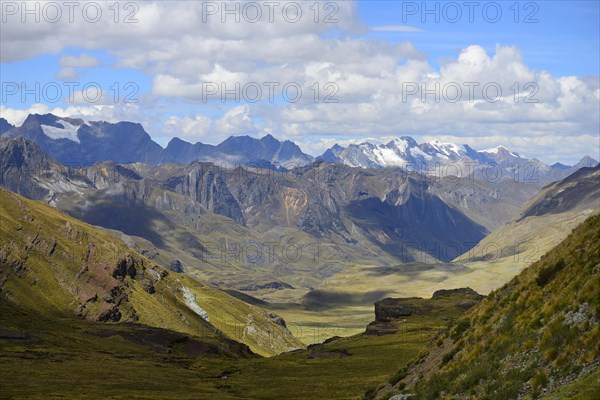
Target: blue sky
(563, 41)
(163, 59)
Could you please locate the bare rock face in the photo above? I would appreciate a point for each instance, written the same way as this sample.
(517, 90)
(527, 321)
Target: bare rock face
(125, 267)
(148, 286)
(277, 319)
(175, 266)
(112, 314)
(390, 309)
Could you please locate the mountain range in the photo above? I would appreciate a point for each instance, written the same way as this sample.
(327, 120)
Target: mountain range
(76, 142)
(449, 159)
(385, 214)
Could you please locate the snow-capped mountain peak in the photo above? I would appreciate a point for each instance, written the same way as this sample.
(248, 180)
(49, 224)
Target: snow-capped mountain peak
(402, 144)
(499, 150)
(441, 150)
(427, 157)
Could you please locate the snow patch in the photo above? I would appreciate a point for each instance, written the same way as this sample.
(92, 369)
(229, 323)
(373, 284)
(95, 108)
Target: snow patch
(496, 150)
(69, 131)
(388, 157)
(190, 301)
(447, 149)
(417, 152)
(401, 145)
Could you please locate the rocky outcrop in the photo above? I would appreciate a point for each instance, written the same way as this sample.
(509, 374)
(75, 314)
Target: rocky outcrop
(175, 266)
(277, 319)
(461, 292)
(390, 309)
(126, 267)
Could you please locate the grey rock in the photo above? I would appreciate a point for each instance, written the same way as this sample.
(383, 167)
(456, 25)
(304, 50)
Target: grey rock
(175, 266)
(148, 286)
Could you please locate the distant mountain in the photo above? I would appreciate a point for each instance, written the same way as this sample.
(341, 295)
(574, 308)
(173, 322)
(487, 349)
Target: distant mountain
(181, 152)
(238, 150)
(443, 159)
(558, 165)
(5, 126)
(78, 142)
(404, 152)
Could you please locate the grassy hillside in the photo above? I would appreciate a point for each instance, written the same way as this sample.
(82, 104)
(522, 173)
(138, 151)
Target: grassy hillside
(55, 265)
(537, 335)
(68, 358)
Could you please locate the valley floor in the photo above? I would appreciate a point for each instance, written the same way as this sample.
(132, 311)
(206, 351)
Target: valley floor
(66, 358)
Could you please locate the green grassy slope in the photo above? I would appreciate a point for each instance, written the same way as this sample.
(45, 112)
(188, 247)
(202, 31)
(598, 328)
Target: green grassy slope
(55, 265)
(538, 334)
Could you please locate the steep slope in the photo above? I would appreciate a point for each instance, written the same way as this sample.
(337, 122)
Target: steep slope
(537, 335)
(579, 190)
(540, 225)
(5, 126)
(53, 264)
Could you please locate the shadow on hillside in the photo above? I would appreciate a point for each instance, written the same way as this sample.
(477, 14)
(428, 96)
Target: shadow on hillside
(423, 224)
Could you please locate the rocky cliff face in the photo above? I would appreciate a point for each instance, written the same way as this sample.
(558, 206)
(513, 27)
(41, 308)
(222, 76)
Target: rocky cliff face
(207, 188)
